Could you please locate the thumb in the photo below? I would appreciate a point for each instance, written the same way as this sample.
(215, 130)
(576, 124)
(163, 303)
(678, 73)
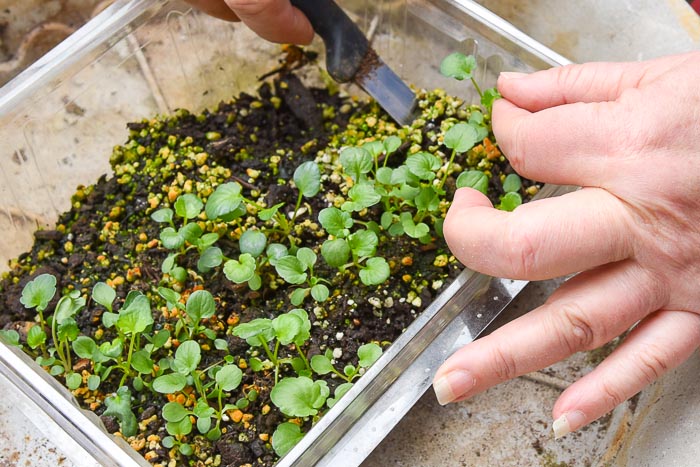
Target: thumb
(590, 82)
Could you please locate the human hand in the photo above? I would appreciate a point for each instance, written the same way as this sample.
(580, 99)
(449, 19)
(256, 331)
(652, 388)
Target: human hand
(630, 135)
(274, 20)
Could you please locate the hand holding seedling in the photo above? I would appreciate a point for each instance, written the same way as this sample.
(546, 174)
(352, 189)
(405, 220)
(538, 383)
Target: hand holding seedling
(274, 20)
(628, 134)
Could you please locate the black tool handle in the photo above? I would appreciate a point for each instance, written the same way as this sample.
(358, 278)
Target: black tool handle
(346, 45)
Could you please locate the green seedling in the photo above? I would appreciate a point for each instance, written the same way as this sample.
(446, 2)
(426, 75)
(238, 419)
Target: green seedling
(245, 269)
(119, 406)
(298, 269)
(200, 305)
(300, 396)
(131, 324)
(460, 138)
(223, 379)
(461, 67)
(292, 327)
(307, 178)
(367, 354)
(285, 437)
(37, 294)
(511, 199)
(188, 236)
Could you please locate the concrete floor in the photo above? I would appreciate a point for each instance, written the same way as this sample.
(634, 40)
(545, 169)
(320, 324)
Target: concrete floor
(510, 424)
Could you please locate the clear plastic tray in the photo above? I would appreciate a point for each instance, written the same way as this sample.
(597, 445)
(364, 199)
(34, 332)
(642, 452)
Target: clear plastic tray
(60, 118)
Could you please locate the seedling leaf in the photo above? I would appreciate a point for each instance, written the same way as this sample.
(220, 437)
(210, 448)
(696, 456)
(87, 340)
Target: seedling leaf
(229, 377)
(458, 66)
(285, 437)
(253, 242)
(200, 305)
(104, 295)
(473, 179)
(39, 292)
(225, 200)
(368, 354)
(299, 397)
(188, 206)
(461, 137)
(241, 270)
(335, 221)
(307, 178)
(375, 272)
(291, 269)
(356, 162)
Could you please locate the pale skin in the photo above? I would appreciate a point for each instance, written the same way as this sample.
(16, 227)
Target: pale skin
(629, 133)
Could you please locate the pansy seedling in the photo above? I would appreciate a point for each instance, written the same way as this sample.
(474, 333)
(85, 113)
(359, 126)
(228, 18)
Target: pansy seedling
(458, 66)
(285, 437)
(375, 271)
(473, 179)
(224, 202)
(300, 396)
(119, 406)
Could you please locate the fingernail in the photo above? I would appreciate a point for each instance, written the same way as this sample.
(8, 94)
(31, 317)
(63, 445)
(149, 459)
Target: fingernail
(512, 75)
(452, 385)
(568, 422)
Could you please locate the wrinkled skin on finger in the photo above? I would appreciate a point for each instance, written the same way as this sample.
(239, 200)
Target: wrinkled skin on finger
(629, 134)
(274, 20)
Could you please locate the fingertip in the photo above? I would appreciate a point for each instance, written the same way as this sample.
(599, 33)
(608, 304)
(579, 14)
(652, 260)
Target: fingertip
(469, 197)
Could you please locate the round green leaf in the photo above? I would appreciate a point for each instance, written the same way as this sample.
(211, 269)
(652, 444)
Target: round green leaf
(356, 162)
(512, 183)
(307, 178)
(321, 364)
(299, 397)
(285, 437)
(368, 354)
(39, 292)
(363, 243)
(253, 242)
(241, 270)
(200, 305)
(225, 200)
(391, 144)
(73, 381)
(291, 269)
(423, 165)
(510, 201)
(458, 66)
(229, 377)
(473, 179)
(320, 292)
(190, 232)
(306, 256)
(170, 383)
(164, 215)
(286, 327)
(335, 221)
(188, 206)
(174, 412)
(461, 137)
(335, 252)
(104, 295)
(171, 238)
(210, 258)
(187, 357)
(375, 271)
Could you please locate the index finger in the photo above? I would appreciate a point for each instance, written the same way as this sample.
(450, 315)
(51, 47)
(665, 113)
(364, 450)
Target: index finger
(541, 239)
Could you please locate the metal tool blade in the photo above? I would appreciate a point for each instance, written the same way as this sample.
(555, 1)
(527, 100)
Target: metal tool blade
(385, 86)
